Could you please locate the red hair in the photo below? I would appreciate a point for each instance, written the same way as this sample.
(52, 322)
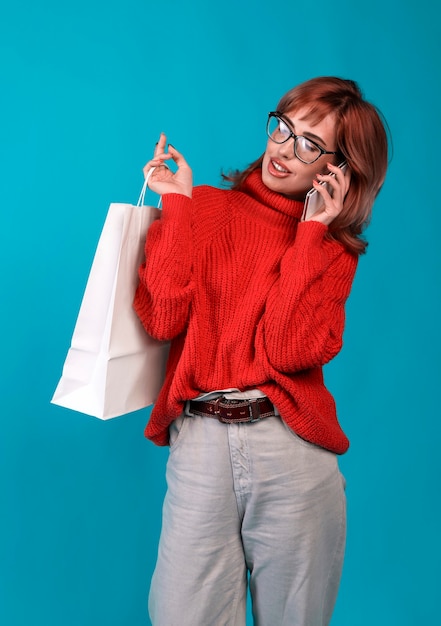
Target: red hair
(361, 141)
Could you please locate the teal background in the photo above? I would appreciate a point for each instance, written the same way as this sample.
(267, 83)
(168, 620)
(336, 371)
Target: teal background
(86, 89)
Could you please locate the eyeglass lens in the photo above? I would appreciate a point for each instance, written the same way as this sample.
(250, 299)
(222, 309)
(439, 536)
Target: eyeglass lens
(280, 132)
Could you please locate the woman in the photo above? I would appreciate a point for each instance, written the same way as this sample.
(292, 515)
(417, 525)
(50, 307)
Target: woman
(252, 298)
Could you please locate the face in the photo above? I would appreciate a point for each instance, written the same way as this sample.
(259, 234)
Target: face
(283, 172)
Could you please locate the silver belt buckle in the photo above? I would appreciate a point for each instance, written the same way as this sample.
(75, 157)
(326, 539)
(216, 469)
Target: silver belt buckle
(187, 411)
(253, 416)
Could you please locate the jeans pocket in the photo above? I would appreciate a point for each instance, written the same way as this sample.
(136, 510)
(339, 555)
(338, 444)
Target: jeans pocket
(176, 430)
(298, 439)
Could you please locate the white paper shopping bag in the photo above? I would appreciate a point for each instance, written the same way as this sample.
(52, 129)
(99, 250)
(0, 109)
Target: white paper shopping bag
(113, 366)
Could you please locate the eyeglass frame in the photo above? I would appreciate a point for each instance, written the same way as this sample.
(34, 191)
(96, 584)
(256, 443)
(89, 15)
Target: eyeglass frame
(278, 115)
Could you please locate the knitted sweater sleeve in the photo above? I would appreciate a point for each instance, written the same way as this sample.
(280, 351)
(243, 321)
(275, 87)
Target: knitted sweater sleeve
(165, 289)
(303, 323)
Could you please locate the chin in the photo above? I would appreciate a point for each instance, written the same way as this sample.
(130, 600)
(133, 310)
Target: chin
(280, 186)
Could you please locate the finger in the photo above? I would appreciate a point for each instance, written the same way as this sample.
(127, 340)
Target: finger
(347, 180)
(330, 180)
(333, 168)
(156, 162)
(177, 156)
(344, 177)
(322, 190)
(332, 204)
(337, 179)
(160, 146)
(329, 211)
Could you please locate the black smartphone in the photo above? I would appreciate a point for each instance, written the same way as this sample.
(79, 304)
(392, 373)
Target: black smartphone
(314, 201)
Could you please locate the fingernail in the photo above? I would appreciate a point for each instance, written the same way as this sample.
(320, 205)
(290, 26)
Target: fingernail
(170, 145)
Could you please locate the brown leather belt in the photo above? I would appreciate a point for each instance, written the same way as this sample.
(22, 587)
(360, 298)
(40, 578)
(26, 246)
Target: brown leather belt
(233, 411)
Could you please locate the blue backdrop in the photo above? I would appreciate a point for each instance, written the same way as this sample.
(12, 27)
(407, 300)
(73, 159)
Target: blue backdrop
(86, 89)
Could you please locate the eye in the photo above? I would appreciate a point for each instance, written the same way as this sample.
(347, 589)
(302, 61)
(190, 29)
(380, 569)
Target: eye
(308, 146)
(283, 129)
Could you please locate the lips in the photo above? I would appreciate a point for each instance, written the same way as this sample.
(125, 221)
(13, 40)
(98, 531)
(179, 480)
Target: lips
(275, 168)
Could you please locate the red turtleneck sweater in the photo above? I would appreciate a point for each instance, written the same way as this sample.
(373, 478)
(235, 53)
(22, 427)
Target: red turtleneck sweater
(250, 298)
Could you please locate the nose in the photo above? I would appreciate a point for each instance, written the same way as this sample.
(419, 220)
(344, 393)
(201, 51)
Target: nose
(286, 149)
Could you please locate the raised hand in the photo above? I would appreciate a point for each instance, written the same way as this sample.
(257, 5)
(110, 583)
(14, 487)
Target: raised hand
(333, 205)
(162, 180)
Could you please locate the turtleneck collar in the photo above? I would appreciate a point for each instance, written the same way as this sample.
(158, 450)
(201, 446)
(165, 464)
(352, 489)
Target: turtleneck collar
(253, 186)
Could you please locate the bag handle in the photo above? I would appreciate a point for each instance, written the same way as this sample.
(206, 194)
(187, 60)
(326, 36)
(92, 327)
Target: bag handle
(144, 189)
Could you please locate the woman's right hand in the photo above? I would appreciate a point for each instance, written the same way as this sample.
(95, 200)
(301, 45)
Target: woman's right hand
(162, 180)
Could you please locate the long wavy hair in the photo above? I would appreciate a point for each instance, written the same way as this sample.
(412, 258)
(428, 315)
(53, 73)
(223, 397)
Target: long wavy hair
(361, 141)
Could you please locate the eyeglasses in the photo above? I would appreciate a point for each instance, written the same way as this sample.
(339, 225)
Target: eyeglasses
(305, 149)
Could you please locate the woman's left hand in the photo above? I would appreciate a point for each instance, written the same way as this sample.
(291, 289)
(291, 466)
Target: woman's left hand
(333, 205)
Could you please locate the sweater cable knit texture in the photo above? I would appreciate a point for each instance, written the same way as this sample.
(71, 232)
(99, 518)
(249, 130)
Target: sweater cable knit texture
(250, 298)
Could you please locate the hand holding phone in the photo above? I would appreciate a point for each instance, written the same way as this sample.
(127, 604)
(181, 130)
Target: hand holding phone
(314, 201)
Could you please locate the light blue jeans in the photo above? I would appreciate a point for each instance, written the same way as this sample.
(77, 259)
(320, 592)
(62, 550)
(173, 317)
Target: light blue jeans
(245, 500)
